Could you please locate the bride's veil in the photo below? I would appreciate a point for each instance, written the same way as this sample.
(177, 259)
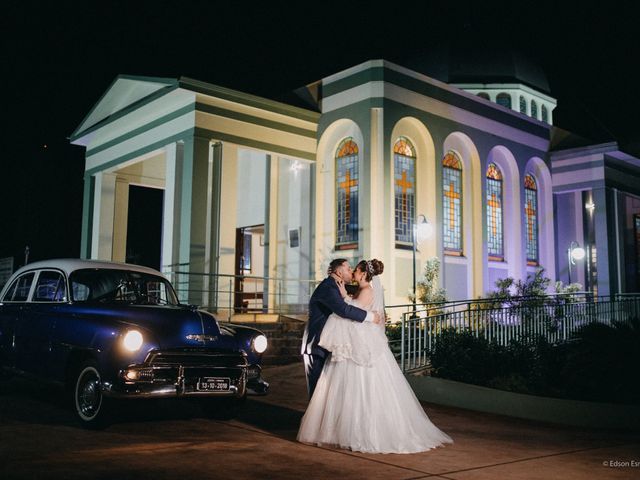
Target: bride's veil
(378, 295)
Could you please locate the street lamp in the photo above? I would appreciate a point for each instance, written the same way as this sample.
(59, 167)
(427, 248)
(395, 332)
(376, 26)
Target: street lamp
(574, 252)
(422, 230)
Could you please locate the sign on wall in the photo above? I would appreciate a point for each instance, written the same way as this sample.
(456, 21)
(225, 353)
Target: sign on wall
(6, 269)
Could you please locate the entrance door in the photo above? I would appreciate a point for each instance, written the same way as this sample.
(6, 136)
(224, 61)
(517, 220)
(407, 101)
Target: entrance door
(144, 226)
(249, 269)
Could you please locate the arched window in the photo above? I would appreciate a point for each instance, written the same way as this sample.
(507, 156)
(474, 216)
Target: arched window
(484, 95)
(523, 105)
(495, 232)
(404, 180)
(452, 203)
(534, 109)
(545, 113)
(347, 194)
(531, 214)
(504, 99)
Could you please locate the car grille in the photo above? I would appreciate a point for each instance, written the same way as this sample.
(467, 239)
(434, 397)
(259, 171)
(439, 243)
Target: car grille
(196, 358)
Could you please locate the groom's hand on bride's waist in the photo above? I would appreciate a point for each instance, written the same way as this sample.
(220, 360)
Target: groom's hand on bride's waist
(374, 317)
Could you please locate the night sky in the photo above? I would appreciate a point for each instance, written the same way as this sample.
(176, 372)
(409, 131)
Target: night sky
(59, 57)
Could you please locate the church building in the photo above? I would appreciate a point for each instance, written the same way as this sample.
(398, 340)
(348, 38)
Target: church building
(355, 167)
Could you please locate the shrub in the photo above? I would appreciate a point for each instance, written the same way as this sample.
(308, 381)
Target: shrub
(463, 356)
(599, 363)
(602, 361)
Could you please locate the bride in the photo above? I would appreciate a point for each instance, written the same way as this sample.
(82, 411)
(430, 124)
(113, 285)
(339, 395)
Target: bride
(362, 401)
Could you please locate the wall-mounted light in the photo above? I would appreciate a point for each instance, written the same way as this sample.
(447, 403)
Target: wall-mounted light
(422, 230)
(590, 206)
(574, 252)
(296, 166)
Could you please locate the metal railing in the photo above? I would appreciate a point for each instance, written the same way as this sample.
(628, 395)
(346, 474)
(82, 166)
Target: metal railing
(555, 317)
(234, 294)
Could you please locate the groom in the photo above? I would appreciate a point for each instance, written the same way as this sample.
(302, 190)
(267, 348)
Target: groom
(327, 299)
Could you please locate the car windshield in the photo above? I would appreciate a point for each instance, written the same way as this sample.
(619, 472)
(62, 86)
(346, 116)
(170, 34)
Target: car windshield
(120, 286)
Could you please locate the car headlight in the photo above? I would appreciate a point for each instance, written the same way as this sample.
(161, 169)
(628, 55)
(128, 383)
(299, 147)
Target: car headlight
(132, 341)
(260, 343)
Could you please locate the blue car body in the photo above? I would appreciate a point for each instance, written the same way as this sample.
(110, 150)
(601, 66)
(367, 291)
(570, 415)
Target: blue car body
(53, 320)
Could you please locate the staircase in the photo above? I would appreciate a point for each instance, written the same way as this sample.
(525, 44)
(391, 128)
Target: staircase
(285, 338)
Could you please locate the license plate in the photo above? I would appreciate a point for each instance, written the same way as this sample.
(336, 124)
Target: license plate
(213, 384)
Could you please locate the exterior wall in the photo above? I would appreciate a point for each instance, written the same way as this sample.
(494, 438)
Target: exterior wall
(515, 92)
(228, 160)
(410, 105)
(593, 187)
(189, 137)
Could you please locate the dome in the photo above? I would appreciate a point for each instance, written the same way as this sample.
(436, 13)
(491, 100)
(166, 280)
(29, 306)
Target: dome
(479, 63)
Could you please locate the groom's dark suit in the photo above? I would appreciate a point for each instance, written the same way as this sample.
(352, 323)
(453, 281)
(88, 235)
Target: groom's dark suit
(326, 299)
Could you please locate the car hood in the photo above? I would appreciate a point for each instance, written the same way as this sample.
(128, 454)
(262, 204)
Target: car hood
(168, 326)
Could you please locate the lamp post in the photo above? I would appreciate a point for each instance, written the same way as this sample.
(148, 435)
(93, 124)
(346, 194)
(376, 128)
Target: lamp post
(574, 252)
(422, 230)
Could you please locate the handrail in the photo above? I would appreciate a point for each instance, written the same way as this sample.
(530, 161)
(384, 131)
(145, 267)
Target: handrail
(229, 294)
(422, 325)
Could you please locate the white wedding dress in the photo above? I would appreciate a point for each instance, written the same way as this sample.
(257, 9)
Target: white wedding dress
(362, 401)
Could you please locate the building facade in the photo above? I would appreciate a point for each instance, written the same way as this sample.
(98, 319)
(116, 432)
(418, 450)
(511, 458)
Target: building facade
(262, 188)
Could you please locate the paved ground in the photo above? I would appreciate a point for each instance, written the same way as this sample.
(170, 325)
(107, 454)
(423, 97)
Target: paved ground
(168, 440)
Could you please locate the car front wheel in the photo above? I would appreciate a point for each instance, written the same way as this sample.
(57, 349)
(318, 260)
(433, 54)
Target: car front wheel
(89, 404)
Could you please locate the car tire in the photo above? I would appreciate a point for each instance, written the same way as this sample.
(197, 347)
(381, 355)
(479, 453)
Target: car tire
(90, 406)
(223, 408)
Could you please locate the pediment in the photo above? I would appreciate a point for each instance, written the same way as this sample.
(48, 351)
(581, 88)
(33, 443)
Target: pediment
(125, 92)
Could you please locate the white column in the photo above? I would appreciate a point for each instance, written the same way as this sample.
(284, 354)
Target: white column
(228, 223)
(374, 238)
(274, 172)
(120, 220)
(103, 210)
(173, 157)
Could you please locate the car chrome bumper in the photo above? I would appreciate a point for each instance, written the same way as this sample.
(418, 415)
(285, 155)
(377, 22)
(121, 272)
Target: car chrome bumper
(144, 381)
(255, 383)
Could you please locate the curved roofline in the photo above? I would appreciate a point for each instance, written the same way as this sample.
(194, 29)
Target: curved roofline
(68, 265)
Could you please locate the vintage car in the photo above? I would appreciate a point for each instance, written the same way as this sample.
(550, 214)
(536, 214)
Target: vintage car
(117, 331)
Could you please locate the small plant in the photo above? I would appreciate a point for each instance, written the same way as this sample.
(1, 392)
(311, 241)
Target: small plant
(428, 291)
(568, 293)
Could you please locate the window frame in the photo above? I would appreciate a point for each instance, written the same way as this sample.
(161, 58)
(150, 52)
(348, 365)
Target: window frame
(536, 227)
(351, 244)
(15, 283)
(401, 244)
(492, 256)
(454, 252)
(37, 279)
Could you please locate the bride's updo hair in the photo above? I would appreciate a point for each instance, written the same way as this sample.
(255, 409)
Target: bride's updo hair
(371, 268)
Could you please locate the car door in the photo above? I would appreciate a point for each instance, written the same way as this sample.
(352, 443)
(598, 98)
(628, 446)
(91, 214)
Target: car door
(11, 311)
(37, 321)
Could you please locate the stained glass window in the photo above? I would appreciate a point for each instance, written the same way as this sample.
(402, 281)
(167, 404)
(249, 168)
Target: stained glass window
(534, 109)
(347, 192)
(545, 114)
(452, 202)
(495, 235)
(531, 212)
(523, 105)
(484, 95)
(504, 99)
(404, 179)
